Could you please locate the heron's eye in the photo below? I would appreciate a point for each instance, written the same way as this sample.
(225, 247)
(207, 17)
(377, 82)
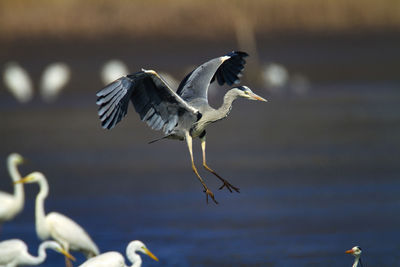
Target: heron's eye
(246, 92)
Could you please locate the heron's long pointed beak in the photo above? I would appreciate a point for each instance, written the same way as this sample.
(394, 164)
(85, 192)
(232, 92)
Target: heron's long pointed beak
(350, 251)
(66, 254)
(151, 255)
(257, 97)
(24, 180)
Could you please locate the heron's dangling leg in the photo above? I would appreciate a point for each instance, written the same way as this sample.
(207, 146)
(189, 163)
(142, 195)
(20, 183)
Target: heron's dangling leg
(225, 182)
(206, 190)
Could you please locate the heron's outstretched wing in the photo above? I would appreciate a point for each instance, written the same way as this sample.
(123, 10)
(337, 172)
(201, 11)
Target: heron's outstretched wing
(158, 105)
(230, 71)
(226, 69)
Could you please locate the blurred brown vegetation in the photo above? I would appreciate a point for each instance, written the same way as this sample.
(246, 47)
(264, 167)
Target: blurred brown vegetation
(199, 19)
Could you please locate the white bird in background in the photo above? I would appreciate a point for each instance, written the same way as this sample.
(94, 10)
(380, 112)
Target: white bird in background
(275, 76)
(18, 82)
(14, 252)
(115, 259)
(12, 204)
(54, 78)
(58, 226)
(112, 70)
(356, 252)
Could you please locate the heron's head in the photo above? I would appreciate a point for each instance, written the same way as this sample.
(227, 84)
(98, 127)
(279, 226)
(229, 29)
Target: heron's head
(15, 159)
(137, 245)
(57, 247)
(245, 92)
(355, 251)
(33, 177)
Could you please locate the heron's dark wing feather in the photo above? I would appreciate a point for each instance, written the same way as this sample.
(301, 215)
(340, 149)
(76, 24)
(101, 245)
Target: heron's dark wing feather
(195, 84)
(113, 101)
(229, 72)
(157, 105)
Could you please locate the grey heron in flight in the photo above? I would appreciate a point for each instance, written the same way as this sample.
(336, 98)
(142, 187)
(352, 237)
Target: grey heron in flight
(183, 114)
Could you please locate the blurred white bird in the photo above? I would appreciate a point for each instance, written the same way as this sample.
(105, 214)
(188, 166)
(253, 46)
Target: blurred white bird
(18, 82)
(275, 76)
(14, 252)
(115, 259)
(112, 70)
(54, 78)
(58, 226)
(12, 204)
(356, 252)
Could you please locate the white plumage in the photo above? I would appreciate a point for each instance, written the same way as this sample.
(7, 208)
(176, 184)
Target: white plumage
(18, 82)
(58, 226)
(115, 259)
(112, 70)
(54, 79)
(12, 204)
(14, 252)
(275, 76)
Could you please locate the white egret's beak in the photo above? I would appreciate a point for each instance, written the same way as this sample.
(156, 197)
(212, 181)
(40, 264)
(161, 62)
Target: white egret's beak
(257, 97)
(151, 255)
(350, 251)
(66, 254)
(24, 180)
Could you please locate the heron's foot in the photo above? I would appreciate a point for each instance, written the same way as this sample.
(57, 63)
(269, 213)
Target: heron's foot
(229, 186)
(226, 183)
(211, 194)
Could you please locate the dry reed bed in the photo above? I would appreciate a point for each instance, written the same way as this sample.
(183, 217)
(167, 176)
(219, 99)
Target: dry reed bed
(201, 19)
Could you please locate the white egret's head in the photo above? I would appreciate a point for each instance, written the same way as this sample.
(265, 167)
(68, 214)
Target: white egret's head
(137, 245)
(15, 159)
(245, 92)
(355, 251)
(58, 248)
(33, 177)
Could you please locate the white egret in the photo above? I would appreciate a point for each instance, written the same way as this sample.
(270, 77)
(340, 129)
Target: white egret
(14, 252)
(275, 77)
(12, 204)
(58, 226)
(356, 252)
(112, 70)
(54, 79)
(115, 259)
(18, 82)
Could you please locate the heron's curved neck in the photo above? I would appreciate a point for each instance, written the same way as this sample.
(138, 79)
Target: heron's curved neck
(226, 106)
(41, 228)
(18, 188)
(135, 259)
